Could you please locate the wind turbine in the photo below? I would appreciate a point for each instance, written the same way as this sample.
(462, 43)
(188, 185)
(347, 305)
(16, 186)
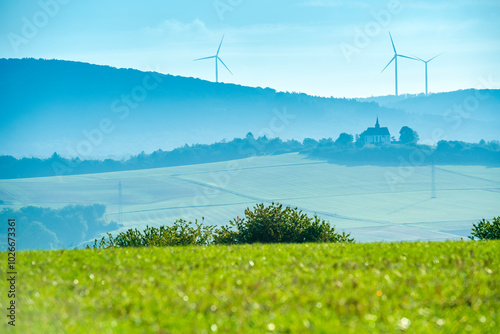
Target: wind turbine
(425, 62)
(217, 59)
(395, 59)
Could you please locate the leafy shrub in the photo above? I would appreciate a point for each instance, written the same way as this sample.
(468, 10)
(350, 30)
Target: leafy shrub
(272, 224)
(484, 230)
(225, 235)
(182, 233)
(278, 224)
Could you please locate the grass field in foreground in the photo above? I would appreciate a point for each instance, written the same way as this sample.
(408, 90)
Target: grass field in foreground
(390, 287)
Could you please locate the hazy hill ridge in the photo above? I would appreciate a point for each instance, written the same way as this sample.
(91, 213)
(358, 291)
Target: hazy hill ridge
(75, 108)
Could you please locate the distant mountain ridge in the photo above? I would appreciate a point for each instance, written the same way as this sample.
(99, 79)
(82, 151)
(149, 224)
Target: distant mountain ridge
(469, 100)
(85, 110)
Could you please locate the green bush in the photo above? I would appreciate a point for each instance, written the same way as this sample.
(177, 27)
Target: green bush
(272, 224)
(484, 230)
(182, 233)
(278, 224)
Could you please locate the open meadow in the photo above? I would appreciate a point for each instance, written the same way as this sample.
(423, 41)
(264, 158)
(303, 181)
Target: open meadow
(374, 203)
(422, 287)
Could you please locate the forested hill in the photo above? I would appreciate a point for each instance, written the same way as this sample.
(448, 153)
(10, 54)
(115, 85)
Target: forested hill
(50, 105)
(92, 111)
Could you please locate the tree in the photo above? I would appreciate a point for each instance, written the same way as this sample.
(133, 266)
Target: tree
(55, 157)
(309, 142)
(344, 140)
(443, 146)
(486, 230)
(360, 141)
(325, 142)
(408, 135)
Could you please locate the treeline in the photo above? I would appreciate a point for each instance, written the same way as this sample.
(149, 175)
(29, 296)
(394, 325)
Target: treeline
(446, 152)
(46, 228)
(344, 150)
(237, 148)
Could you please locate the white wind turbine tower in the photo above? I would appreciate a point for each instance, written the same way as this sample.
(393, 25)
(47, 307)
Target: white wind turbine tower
(395, 59)
(217, 59)
(425, 62)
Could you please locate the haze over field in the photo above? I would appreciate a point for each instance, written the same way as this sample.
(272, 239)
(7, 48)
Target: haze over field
(250, 166)
(113, 87)
(363, 200)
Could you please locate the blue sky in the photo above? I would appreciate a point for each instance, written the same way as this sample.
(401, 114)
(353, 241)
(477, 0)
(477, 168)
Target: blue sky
(320, 47)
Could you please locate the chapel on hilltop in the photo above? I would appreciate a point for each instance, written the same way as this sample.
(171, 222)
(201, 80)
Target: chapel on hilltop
(376, 135)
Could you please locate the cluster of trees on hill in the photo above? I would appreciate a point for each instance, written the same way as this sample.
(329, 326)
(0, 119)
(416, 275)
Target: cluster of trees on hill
(46, 228)
(345, 149)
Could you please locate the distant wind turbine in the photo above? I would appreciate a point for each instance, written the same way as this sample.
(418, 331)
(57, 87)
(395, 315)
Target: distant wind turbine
(395, 59)
(425, 62)
(217, 59)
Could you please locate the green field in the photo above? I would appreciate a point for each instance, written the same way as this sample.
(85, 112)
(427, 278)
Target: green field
(357, 199)
(448, 287)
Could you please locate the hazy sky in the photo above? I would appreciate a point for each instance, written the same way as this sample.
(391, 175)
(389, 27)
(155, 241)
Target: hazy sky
(320, 47)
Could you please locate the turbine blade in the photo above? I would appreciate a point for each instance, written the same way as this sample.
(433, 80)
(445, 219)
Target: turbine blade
(388, 63)
(435, 57)
(419, 58)
(204, 58)
(220, 45)
(392, 42)
(225, 66)
(407, 57)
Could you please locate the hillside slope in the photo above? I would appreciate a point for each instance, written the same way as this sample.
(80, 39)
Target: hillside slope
(373, 203)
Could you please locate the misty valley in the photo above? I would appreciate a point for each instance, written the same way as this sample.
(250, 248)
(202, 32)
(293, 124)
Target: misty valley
(406, 178)
(230, 166)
